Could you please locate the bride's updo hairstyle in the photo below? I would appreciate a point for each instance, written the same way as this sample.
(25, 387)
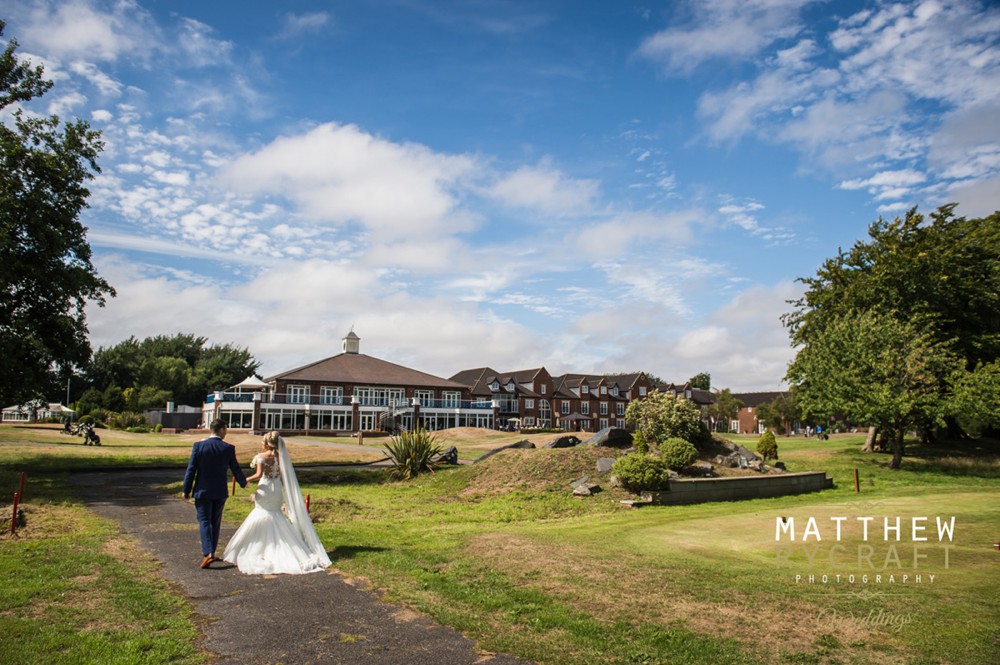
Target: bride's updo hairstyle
(271, 440)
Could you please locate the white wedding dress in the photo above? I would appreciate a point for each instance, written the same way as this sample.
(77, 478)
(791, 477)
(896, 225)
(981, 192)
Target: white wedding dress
(269, 541)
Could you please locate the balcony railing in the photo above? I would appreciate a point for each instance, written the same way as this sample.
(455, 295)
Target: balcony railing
(339, 400)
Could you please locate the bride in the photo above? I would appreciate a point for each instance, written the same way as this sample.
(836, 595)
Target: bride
(268, 541)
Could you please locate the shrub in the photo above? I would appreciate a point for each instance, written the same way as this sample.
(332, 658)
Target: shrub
(125, 419)
(158, 428)
(661, 416)
(767, 447)
(677, 453)
(639, 441)
(139, 429)
(641, 473)
(412, 452)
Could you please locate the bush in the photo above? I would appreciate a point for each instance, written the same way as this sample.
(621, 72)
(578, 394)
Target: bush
(158, 428)
(639, 441)
(412, 453)
(126, 419)
(767, 447)
(139, 429)
(661, 416)
(677, 453)
(641, 473)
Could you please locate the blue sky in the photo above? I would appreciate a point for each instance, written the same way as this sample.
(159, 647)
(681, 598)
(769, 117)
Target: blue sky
(588, 186)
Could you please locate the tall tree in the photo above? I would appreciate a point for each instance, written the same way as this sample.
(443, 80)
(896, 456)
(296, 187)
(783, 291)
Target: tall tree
(875, 369)
(726, 407)
(702, 380)
(942, 275)
(46, 276)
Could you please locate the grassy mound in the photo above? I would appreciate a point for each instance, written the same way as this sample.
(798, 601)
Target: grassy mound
(538, 470)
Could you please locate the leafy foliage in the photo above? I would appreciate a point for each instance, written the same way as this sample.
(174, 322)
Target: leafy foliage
(779, 412)
(641, 473)
(702, 380)
(932, 288)
(975, 397)
(412, 452)
(678, 453)
(661, 416)
(46, 275)
(181, 368)
(767, 447)
(640, 443)
(875, 369)
(726, 407)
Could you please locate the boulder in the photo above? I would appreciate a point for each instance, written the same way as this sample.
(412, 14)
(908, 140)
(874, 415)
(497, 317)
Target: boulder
(611, 437)
(519, 444)
(580, 481)
(449, 456)
(701, 469)
(780, 466)
(563, 442)
(604, 464)
(587, 490)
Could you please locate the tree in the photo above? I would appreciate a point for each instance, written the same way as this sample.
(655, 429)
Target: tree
(976, 398)
(46, 276)
(942, 277)
(726, 407)
(779, 413)
(660, 416)
(702, 381)
(877, 369)
(179, 368)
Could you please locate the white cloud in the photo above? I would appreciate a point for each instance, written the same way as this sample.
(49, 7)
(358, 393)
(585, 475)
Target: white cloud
(723, 29)
(623, 231)
(546, 190)
(202, 50)
(341, 174)
(296, 24)
(77, 29)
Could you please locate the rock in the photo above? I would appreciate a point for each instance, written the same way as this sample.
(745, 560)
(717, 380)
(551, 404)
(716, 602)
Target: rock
(587, 490)
(449, 456)
(604, 464)
(614, 481)
(780, 466)
(579, 481)
(612, 437)
(563, 442)
(727, 461)
(519, 444)
(701, 469)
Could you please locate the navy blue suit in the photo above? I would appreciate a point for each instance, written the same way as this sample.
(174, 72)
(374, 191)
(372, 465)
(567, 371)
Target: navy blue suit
(207, 475)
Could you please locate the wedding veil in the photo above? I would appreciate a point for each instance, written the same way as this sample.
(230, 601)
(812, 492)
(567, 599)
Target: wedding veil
(296, 507)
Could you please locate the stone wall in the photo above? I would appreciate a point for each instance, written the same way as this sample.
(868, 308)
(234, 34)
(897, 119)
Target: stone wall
(739, 487)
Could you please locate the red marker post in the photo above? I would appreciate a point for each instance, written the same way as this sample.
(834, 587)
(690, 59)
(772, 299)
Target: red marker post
(233, 493)
(307, 503)
(13, 518)
(857, 483)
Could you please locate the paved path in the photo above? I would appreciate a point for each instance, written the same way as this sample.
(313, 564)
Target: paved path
(250, 619)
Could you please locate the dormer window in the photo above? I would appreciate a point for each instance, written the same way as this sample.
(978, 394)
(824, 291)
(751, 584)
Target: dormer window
(585, 388)
(495, 386)
(614, 390)
(604, 390)
(510, 386)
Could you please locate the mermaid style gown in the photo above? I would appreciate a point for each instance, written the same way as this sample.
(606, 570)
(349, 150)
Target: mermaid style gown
(267, 541)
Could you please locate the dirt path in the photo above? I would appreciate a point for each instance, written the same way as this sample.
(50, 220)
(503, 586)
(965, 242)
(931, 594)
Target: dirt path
(317, 618)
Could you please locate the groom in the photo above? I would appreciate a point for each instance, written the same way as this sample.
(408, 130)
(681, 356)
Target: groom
(207, 473)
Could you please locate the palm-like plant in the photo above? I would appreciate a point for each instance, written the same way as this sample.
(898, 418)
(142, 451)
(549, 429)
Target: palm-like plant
(413, 452)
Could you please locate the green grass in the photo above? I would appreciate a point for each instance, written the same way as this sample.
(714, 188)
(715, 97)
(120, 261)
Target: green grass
(557, 579)
(552, 578)
(75, 592)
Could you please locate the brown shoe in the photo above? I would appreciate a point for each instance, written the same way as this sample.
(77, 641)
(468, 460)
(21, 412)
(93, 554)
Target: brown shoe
(207, 561)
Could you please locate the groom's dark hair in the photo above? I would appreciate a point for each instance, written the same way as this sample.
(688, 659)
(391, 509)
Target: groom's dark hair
(218, 425)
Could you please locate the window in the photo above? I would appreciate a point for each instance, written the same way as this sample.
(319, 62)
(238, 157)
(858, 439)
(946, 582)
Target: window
(585, 408)
(495, 386)
(450, 398)
(619, 409)
(565, 406)
(331, 395)
(511, 386)
(585, 389)
(529, 403)
(614, 390)
(604, 408)
(603, 423)
(298, 394)
(542, 388)
(424, 397)
(604, 390)
(642, 391)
